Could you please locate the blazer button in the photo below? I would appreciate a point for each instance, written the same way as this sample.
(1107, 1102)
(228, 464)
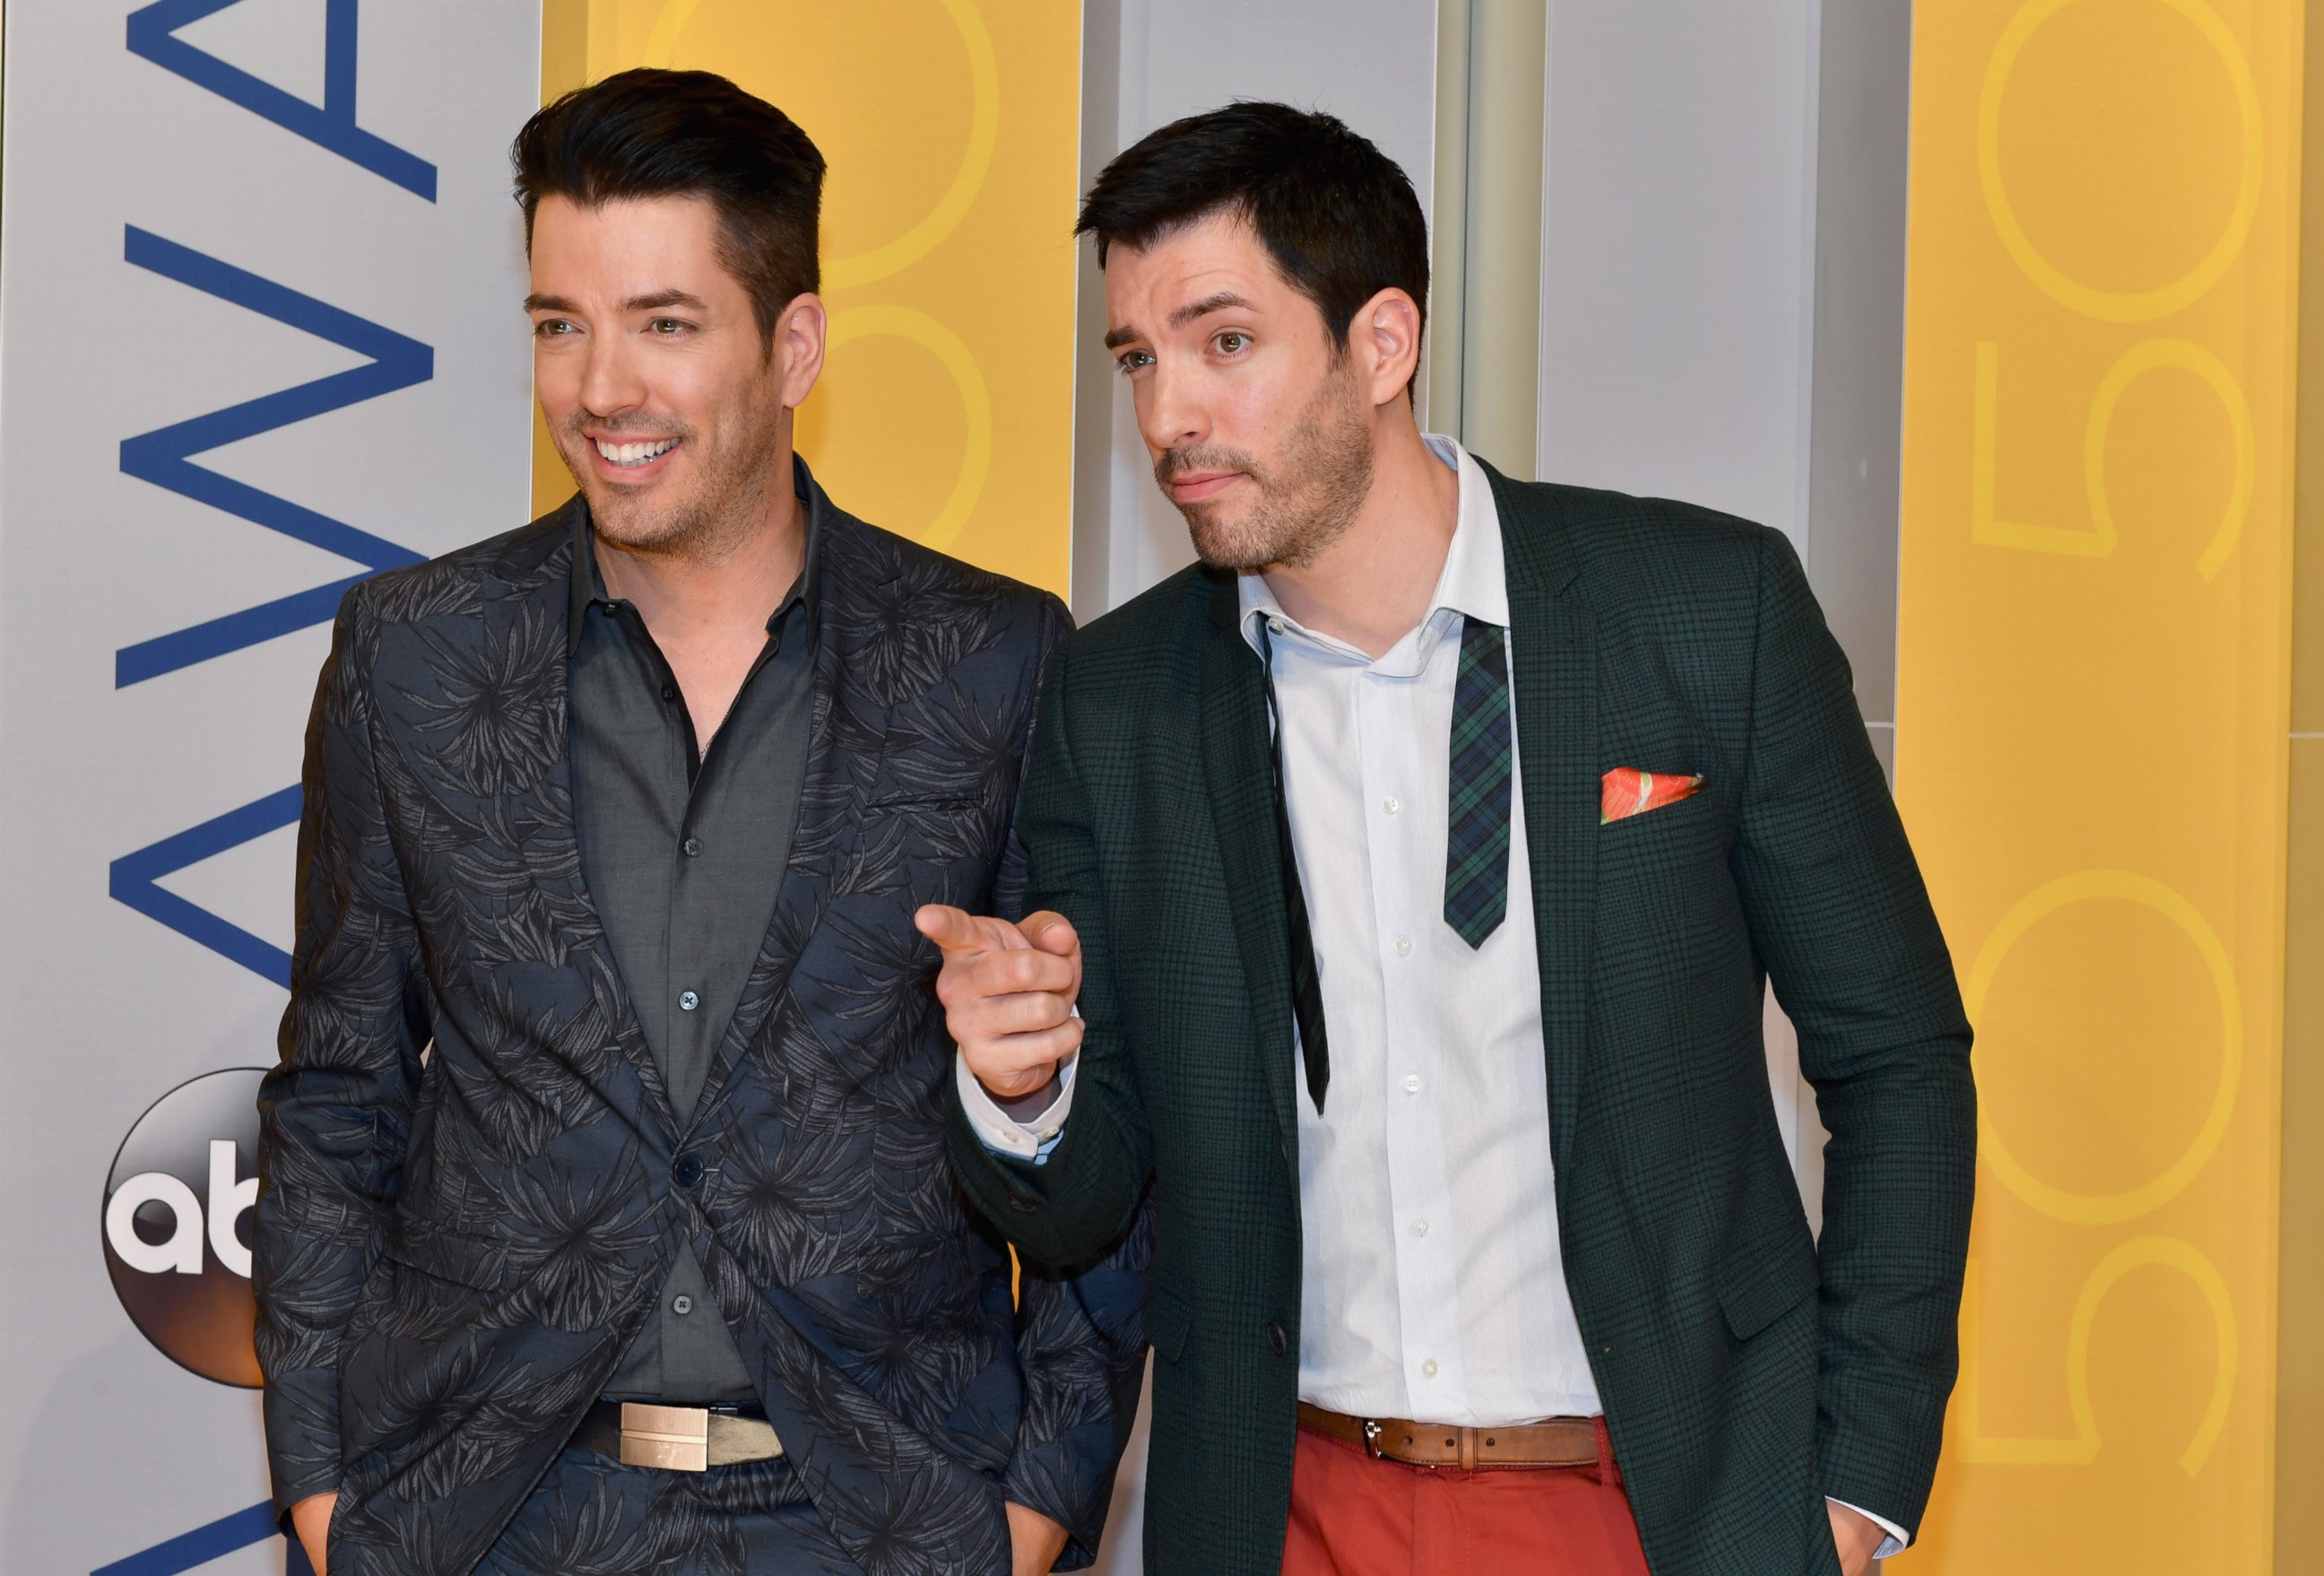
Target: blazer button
(687, 1171)
(1276, 1341)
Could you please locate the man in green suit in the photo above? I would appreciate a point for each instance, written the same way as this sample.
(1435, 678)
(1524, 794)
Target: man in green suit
(1416, 863)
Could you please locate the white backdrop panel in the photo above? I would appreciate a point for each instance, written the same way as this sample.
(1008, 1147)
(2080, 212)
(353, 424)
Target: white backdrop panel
(205, 203)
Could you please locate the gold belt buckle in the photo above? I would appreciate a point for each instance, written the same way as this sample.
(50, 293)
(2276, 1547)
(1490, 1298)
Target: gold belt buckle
(673, 1438)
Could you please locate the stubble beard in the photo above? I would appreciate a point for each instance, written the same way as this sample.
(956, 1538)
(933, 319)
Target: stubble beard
(724, 506)
(1303, 506)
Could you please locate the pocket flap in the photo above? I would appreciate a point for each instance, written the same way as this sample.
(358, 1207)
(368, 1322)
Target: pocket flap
(1169, 1322)
(1759, 1286)
(448, 1255)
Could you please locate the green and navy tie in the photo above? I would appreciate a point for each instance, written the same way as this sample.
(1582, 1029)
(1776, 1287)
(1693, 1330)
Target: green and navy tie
(1476, 832)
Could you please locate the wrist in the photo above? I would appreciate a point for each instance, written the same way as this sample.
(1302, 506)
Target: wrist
(1024, 1108)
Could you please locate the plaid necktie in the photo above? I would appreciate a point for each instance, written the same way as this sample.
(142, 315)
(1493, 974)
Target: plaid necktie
(1476, 832)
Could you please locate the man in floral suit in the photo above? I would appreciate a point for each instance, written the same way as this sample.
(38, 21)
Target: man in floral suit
(606, 1225)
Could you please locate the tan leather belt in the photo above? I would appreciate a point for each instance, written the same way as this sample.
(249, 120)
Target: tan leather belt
(678, 1439)
(1561, 1441)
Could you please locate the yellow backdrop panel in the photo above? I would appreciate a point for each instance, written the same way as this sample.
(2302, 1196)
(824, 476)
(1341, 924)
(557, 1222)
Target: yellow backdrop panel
(2092, 703)
(952, 128)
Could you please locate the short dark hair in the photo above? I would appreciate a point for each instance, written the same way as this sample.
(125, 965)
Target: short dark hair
(1339, 218)
(651, 132)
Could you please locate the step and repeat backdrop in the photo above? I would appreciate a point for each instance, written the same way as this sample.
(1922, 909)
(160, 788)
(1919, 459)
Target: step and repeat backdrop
(262, 277)
(2092, 708)
(264, 336)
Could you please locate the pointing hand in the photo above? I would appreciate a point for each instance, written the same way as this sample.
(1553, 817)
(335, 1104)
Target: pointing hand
(1008, 993)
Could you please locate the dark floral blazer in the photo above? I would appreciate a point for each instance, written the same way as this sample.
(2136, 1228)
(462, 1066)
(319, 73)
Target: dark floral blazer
(473, 1179)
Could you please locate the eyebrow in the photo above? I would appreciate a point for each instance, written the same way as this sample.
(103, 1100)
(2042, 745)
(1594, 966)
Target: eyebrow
(652, 303)
(1217, 301)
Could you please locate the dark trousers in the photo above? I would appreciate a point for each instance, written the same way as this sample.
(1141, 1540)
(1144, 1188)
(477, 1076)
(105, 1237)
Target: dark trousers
(593, 1517)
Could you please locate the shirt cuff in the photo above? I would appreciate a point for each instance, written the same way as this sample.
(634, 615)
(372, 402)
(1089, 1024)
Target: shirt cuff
(1893, 1543)
(1019, 1140)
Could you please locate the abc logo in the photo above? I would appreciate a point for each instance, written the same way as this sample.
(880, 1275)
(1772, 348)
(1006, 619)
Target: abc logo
(177, 1223)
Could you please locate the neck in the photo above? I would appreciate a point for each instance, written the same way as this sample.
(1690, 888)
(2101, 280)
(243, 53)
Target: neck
(726, 585)
(1372, 586)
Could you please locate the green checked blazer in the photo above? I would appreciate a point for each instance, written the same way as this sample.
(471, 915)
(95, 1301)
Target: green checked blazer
(1746, 1372)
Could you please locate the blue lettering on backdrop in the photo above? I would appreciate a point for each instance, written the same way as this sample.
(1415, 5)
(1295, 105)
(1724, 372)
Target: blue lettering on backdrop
(164, 456)
(330, 124)
(199, 1547)
(136, 879)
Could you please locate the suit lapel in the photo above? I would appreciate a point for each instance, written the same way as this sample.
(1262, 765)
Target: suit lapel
(1552, 642)
(847, 732)
(1241, 776)
(525, 611)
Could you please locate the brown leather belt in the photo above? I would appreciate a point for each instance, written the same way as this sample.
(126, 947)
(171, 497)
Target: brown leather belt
(1560, 1442)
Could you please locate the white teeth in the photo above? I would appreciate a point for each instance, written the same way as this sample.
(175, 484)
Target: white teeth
(634, 454)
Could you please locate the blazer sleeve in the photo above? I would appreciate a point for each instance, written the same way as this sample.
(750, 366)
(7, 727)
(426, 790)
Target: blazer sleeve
(1839, 916)
(1075, 1207)
(336, 1110)
(1080, 1335)
(1080, 1341)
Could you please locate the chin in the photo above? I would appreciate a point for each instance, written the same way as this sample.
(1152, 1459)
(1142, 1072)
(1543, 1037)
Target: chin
(1226, 544)
(633, 527)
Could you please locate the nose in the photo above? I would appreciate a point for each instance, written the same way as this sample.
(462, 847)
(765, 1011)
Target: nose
(610, 382)
(1172, 413)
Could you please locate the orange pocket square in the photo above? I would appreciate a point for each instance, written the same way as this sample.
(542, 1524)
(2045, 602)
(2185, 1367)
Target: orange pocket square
(1626, 791)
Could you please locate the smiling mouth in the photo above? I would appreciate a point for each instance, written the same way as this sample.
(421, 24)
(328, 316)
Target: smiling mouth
(634, 456)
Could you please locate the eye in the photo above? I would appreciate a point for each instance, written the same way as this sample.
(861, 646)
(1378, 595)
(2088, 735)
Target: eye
(1233, 342)
(554, 328)
(668, 327)
(1132, 361)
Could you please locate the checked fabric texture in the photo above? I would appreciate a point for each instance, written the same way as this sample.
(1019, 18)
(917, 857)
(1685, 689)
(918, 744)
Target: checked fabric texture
(1747, 1370)
(1477, 834)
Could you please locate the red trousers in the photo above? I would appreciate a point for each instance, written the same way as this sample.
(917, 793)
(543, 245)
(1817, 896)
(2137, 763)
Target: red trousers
(1351, 1516)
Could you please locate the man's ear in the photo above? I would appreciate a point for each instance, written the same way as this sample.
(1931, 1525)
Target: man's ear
(800, 335)
(1384, 338)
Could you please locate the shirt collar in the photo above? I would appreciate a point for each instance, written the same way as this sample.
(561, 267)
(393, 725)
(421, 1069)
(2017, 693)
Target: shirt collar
(1473, 584)
(588, 584)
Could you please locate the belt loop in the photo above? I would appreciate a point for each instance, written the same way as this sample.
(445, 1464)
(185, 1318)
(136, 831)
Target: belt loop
(1609, 1474)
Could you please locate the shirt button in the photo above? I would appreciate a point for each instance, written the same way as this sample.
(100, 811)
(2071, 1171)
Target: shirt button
(1411, 1082)
(1391, 803)
(1420, 1228)
(669, 692)
(1275, 626)
(681, 1304)
(692, 847)
(1428, 1369)
(687, 1171)
(688, 1001)
(1404, 946)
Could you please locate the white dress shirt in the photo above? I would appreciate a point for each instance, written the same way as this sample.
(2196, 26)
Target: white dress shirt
(1432, 1285)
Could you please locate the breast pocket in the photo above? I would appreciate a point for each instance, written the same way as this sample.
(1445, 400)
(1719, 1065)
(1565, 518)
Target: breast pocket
(1673, 853)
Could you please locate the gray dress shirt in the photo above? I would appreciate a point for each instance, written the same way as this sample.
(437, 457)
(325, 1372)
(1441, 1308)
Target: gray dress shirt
(683, 849)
